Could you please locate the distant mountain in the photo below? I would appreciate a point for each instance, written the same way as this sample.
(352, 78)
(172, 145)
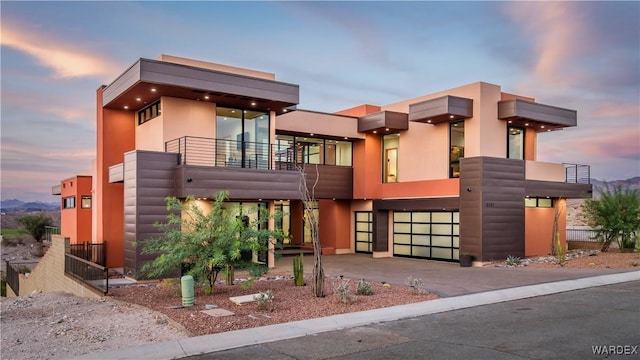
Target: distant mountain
(18, 205)
(633, 183)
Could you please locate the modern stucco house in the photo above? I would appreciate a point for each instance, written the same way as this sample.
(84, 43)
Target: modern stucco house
(429, 177)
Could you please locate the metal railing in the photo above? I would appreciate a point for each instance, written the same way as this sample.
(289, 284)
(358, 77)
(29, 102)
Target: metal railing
(577, 174)
(14, 269)
(229, 153)
(93, 252)
(90, 273)
(49, 231)
(587, 235)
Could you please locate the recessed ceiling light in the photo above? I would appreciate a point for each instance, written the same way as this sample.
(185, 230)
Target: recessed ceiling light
(126, 107)
(253, 103)
(138, 99)
(526, 124)
(429, 121)
(346, 138)
(510, 121)
(375, 131)
(311, 134)
(206, 97)
(387, 129)
(284, 110)
(451, 116)
(542, 127)
(233, 111)
(153, 89)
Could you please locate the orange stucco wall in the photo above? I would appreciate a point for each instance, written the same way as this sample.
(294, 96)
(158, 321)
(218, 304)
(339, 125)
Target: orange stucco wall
(539, 227)
(75, 223)
(335, 225)
(115, 136)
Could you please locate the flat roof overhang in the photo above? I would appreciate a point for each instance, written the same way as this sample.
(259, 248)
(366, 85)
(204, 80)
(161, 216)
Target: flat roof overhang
(148, 80)
(383, 122)
(541, 117)
(443, 109)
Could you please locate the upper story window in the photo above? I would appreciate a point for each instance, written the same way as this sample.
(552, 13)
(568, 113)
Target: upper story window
(69, 202)
(390, 145)
(150, 112)
(515, 143)
(245, 135)
(456, 141)
(311, 150)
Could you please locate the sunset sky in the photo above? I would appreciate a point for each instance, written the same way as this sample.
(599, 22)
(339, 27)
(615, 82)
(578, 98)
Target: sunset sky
(579, 55)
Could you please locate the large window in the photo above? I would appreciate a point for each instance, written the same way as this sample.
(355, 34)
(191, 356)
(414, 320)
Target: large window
(538, 202)
(311, 150)
(390, 145)
(243, 138)
(515, 143)
(307, 225)
(283, 220)
(456, 141)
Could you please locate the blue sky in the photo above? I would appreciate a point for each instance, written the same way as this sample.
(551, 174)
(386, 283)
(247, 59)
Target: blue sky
(579, 55)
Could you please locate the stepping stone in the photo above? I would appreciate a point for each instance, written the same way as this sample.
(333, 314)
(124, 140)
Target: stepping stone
(217, 312)
(244, 299)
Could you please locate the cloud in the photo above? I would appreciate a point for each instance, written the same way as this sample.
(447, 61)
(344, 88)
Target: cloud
(65, 59)
(579, 45)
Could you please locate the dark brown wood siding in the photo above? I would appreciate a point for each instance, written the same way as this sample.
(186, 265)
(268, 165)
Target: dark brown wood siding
(380, 230)
(148, 180)
(536, 188)
(242, 184)
(335, 182)
(492, 192)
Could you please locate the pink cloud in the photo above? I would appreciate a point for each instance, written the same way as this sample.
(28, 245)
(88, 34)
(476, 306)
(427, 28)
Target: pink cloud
(65, 59)
(559, 38)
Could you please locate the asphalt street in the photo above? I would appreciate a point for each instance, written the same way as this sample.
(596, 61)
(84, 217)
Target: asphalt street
(594, 323)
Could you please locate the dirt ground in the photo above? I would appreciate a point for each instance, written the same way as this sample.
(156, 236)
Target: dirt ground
(59, 326)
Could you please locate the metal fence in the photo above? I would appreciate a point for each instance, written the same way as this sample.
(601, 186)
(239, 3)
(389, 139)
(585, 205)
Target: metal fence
(49, 231)
(229, 153)
(93, 252)
(577, 174)
(14, 269)
(90, 273)
(587, 235)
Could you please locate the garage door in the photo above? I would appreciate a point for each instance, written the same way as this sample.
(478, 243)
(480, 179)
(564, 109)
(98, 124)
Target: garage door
(427, 234)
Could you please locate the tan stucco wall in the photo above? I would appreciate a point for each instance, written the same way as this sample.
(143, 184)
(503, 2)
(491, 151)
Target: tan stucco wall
(309, 122)
(48, 275)
(537, 170)
(484, 133)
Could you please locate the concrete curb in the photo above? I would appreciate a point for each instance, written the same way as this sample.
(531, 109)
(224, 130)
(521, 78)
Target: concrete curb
(240, 338)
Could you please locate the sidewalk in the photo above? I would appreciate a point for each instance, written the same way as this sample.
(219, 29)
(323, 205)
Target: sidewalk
(460, 288)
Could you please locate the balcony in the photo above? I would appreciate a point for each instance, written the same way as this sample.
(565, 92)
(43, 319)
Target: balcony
(201, 151)
(250, 170)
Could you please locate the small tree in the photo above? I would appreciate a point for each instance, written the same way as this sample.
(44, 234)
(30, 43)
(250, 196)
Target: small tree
(615, 216)
(308, 198)
(36, 226)
(205, 242)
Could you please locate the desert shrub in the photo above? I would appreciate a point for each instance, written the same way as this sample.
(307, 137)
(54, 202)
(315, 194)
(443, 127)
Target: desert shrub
(264, 300)
(416, 285)
(342, 290)
(363, 288)
(513, 260)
